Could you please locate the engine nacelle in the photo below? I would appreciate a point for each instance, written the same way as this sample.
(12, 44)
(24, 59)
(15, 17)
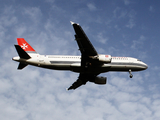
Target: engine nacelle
(105, 58)
(100, 80)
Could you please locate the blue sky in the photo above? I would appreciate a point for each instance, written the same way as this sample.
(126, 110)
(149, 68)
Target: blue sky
(115, 27)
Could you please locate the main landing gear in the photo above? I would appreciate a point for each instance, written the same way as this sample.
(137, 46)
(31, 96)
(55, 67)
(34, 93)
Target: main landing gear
(130, 73)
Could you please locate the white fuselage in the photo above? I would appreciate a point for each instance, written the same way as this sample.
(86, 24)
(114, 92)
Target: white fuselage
(73, 63)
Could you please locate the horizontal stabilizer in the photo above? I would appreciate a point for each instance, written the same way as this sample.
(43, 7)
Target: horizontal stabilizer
(21, 66)
(21, 52)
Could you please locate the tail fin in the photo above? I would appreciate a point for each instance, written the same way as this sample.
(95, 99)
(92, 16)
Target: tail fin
(24, 45)
(21, 52)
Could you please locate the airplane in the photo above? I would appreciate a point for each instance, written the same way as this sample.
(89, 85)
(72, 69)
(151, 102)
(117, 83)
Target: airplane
(89, 65)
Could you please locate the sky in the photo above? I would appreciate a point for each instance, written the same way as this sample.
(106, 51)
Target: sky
(115, 27)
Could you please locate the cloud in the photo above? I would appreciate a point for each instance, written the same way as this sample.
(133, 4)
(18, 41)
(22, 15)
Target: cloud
(50, 1)
(119, 13)
(91, 7)
(7, 17)
(32, 13)
(137, 44)
(7, 21)
(131, 23)
(127, 2)
(151, 9)
(123, 14)
(101, 39)
(35, 93)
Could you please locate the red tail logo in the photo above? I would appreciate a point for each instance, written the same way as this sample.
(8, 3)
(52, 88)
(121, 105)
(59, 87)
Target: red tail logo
(24, 45)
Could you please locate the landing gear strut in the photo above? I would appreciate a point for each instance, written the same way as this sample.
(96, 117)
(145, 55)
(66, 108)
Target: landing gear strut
(130, 73)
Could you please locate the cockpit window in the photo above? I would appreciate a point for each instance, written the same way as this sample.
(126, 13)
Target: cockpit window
(138, 60)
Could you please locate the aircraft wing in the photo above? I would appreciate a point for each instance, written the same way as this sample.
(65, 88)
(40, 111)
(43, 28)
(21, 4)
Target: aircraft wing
(82, 80)
(76, 84)
(87, 50)
(83, 42)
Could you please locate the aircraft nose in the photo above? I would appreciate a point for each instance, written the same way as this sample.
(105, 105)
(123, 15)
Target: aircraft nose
(145, 66)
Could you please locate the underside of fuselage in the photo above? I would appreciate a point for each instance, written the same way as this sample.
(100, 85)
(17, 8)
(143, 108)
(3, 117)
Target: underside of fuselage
(95, 69)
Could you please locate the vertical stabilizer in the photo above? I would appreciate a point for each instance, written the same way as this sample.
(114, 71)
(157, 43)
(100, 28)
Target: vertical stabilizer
(21, 52)
(24, 45)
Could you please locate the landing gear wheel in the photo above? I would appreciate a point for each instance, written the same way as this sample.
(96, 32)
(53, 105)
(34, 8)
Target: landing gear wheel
(131, 76)
(130, 73)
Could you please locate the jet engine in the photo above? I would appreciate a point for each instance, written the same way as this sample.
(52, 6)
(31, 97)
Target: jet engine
(105, 58)
(100, 80)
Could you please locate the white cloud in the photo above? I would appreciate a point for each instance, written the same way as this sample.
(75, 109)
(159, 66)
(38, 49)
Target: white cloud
(33, 13)
(7, 17)
(117, 28)
(131, 23)
(138, 43)
(20, 30)
(91, 7)
(7, 21)
(101, 38)
(35, 93)
(119, 13)
(50, 1)
(127, 2)
(151, 9)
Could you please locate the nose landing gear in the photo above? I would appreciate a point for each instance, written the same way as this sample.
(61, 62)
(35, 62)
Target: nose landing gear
(130, 72)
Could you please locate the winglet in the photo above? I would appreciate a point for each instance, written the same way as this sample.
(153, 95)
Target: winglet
(73, 23)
